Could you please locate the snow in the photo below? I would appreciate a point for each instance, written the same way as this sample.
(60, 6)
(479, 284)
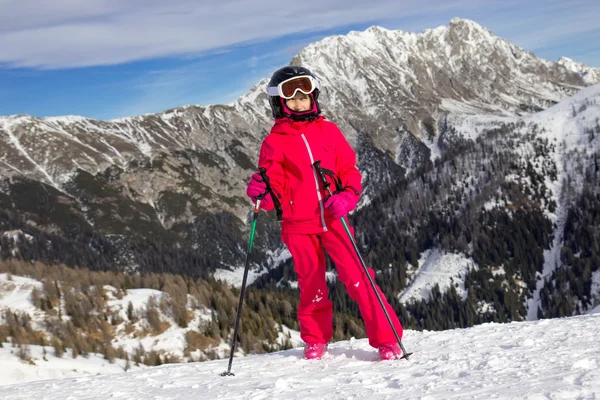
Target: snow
(562, 127)
(15, 293)
(171, 341)
(236, 276)
(14, 140)
(138, 298)
(559, 120)
(589, 75)
(493, 204)
(16, 371)
(548, 359)
(464, 108)
(14, 235)
(436, 268)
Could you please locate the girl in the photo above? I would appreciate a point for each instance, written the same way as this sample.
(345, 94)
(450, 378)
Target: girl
(311, 220)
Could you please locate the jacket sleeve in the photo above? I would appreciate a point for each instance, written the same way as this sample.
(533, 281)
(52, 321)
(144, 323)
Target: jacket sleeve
(272, 160)
(346, 165)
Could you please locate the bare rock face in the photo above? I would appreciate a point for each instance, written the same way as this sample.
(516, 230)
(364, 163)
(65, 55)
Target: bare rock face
(390, 91)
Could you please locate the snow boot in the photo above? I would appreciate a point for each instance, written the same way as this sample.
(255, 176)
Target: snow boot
(389, 351)
(314, 351)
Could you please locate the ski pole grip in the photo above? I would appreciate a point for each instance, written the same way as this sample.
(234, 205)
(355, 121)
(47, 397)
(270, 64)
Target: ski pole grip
(317, 166)
(263, 174)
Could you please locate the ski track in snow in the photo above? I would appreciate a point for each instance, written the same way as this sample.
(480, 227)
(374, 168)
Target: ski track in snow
(549, 359)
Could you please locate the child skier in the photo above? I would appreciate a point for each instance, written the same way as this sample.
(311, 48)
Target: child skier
(311, 221)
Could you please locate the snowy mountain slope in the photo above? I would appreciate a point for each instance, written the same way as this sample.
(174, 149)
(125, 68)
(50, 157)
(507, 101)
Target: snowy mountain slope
(131, 330)
(589, 75)
(571, 130)
(438, 269)
(51, 149)
(571, 125)
(528, 360)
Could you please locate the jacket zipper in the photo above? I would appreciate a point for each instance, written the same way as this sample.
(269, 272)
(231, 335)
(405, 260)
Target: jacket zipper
(312, 161)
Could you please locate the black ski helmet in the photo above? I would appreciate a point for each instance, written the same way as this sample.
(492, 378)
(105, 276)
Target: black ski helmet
(276, 103)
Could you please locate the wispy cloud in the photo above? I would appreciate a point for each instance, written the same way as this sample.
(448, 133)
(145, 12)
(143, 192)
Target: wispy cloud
(76, 33)
(204, 81)
(536, 24)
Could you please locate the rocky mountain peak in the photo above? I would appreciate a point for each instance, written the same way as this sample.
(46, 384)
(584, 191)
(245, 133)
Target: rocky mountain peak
(589, 75)
(469, 28)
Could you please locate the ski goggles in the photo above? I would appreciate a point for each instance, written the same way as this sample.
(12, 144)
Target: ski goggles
(288, 88)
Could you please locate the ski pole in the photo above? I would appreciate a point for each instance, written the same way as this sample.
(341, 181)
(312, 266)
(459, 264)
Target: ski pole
(326, 184)
(245, 278)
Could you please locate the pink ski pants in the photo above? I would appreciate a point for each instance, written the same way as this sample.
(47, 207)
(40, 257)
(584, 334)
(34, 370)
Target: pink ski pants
(315, 309)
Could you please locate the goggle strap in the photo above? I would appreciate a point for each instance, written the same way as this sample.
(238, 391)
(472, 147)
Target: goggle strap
(273, 91)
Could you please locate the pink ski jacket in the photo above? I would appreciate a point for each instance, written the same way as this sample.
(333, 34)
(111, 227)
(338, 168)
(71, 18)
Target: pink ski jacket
(288, 153)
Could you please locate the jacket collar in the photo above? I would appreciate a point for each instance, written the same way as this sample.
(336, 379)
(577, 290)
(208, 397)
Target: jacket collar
(287, 126)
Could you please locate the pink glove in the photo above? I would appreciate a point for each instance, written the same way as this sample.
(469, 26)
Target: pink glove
(255, 188)
(341, 204)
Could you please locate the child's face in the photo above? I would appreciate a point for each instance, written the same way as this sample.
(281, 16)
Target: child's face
(299, 103)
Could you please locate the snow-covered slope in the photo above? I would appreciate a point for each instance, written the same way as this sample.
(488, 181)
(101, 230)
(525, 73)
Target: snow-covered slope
(571, 128)
(567, 125)
(438, 269)
(556, 359)
(42, 363)
(589, 75)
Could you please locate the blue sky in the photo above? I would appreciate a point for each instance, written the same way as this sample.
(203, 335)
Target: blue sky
(113, 58)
